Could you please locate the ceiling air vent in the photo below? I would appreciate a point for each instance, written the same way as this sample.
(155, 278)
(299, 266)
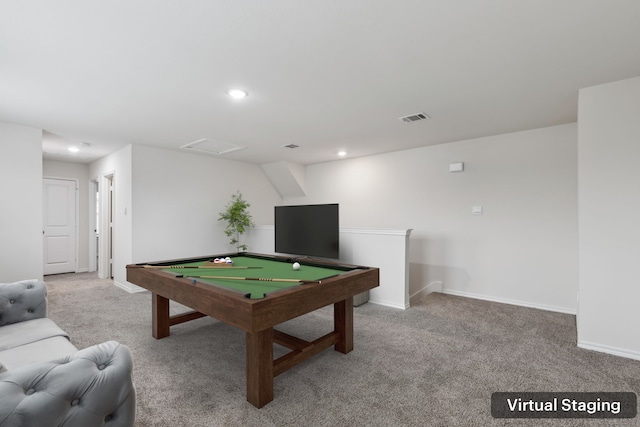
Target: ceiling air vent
(212, 147)
(414, 117)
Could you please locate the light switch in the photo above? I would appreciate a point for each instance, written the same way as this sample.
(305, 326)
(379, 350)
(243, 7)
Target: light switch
(476, 210)
(456, 167)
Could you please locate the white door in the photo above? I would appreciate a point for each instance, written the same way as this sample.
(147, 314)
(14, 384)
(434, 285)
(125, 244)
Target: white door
(59, 230)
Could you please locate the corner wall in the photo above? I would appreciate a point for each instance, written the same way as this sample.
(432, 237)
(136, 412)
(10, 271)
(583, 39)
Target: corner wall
(21, 193)
(609, 176)
(117, 164)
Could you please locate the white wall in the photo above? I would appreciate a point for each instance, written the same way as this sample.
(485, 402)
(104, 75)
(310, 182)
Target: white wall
(522, 250)
(609, 193)
(178, 196)
(80, 173)
(21, 207)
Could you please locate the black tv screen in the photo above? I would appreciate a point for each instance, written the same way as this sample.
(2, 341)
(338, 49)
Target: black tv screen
(311, 230)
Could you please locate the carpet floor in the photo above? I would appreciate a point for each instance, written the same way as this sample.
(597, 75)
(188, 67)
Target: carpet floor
(435, 364)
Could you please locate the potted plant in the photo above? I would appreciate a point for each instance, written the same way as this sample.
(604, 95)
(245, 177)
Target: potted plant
(238, 220)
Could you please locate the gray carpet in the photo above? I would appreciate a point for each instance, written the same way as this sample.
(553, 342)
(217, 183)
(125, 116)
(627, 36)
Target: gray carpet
(435, 364)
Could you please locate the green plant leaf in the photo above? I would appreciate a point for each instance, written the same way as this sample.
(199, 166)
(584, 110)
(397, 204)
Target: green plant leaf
(238, 219)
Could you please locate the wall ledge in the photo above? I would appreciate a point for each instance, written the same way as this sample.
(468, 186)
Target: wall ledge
(359, 230)
(377, 231)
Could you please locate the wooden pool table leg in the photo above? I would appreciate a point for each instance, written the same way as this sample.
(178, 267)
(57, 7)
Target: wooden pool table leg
(343, 324)
(260, 367)
(159, 316)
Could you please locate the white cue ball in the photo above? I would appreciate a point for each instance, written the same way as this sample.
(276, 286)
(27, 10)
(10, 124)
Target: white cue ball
(296, 266)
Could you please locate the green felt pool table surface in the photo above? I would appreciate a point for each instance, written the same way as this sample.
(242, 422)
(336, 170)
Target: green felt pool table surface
(259, 268)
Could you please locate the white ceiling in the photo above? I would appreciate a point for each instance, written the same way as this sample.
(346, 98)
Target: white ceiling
(322, 74)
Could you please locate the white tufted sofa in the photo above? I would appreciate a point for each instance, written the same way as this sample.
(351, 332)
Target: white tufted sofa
(45, 381)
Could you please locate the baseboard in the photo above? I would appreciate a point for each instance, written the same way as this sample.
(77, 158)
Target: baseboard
(435, 286)
(432, 287)
(388, 304)
(510, 301)
(131, 289)
(622, 352)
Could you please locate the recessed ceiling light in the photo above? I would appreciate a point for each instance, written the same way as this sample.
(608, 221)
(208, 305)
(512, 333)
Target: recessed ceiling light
(237, 93)
(342, 153)
(73, 149)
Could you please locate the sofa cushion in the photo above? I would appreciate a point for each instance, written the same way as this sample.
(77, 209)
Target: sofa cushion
(38, 351)
(17, 334)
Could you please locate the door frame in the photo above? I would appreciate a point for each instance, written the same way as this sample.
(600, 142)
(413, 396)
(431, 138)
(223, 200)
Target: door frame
(107, 224)
(93, 225)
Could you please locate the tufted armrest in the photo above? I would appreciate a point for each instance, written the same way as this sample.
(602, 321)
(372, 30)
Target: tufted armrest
(92, 387)
(23, 300)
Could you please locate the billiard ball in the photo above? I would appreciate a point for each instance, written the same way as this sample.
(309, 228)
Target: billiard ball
(296, 266)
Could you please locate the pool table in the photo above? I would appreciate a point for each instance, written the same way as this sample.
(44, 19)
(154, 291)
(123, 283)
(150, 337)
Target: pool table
(255, 293)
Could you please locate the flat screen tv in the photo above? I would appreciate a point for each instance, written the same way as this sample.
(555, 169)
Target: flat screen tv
(312, 230)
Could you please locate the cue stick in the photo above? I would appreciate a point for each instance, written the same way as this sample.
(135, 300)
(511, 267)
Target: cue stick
(211, 267)
(260, 279)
